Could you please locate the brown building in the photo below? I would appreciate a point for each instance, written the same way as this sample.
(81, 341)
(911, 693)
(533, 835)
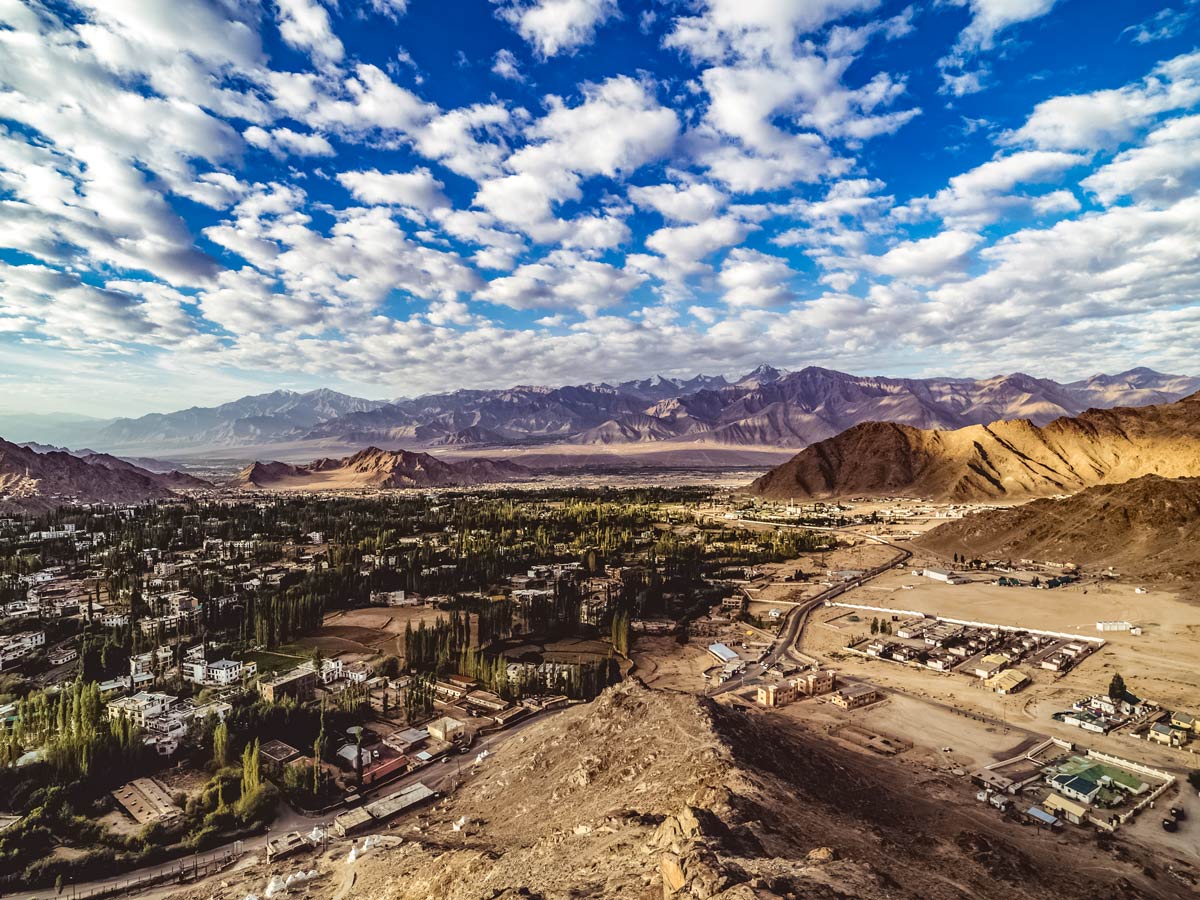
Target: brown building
(811, 684)
(855, 696)
(299, 684)
(776, 694)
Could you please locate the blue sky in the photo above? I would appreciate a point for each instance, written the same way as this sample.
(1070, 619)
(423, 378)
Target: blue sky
(208, 198)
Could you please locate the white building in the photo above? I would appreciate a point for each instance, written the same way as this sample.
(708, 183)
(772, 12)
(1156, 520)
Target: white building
(221, 672)
(331, 670)
(15, 647)
(943, 575)
(141, 708)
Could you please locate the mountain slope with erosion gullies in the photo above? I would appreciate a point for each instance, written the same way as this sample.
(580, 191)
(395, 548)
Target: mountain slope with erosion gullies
(1004, 460)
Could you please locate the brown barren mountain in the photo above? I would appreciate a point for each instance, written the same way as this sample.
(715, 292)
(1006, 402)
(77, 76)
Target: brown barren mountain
(36, 481)
(1149, 526)
(375, 468)
(1005, 460)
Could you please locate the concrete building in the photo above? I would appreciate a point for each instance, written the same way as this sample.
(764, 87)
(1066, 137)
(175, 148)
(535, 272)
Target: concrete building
(1075, 787)
(1164, 734)
(1185, 721)
(943, 575)
(1008, 682)
(776, 694)
(222, 672)
(989, 665)
(299, 684)
(63, 655)
(723, 654)
(141, 708)
(812, 684)
(1073, 812)
(446, 729)
(855, 696)
(15, 647)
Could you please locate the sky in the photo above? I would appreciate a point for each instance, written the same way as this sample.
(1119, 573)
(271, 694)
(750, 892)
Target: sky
(207, 198)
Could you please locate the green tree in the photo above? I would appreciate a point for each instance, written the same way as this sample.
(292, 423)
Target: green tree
(1116, 687)
(221, 745)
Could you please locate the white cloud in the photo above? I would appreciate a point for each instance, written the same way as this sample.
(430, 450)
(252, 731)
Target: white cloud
(285, 142)
(1163, 25)
(1165, 169)
(776, 103)
(617, 128)
(417, 189)
(1109, 117)
(393, 9)
(505, 65)
(983, 194)
(750, 278)
(928, 259)
(305, 25)
(756, 29)
(990, 17)
(564, 281)
(558, 26)
(681, 203)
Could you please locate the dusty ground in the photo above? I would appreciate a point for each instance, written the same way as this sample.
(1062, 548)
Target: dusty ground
(664, 663)
(1159, 665)
(649, 794)
(358, 634)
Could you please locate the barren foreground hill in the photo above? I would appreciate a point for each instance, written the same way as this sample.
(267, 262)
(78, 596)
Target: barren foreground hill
(1149, 526)
(647, 795)
(1010, 459)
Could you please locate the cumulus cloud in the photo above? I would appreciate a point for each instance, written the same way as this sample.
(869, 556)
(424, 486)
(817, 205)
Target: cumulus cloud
(617, 128)
(985, 193)
(1165, 169)
(1108, 117)
(614, 215)
(417, 190)
(562, 280)
(305, 25)
(751, 278)
(928, 259)
(681, 203)
(286, 142)
(557, 26)
(505, 65)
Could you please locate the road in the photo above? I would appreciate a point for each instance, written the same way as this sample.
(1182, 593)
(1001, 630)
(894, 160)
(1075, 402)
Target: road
(797, 617)
(442, 775)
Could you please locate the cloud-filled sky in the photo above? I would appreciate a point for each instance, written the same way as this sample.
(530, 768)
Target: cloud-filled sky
(206, 198)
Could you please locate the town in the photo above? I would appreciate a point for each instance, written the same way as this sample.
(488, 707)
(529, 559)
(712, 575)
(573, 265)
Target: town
(267, 673)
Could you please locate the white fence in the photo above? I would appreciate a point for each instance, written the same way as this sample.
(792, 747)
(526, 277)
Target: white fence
(1099, 642)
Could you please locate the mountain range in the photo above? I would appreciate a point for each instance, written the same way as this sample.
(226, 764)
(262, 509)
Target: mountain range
(767, 407)
(375, 468)
(1013, 459)
(34, 481)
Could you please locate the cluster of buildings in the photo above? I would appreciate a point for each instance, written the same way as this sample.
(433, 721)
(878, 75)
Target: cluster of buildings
(1102, 714)
(14, 648)
(985, 651)
(1176, 729)
(163, 718)
(805, 684)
